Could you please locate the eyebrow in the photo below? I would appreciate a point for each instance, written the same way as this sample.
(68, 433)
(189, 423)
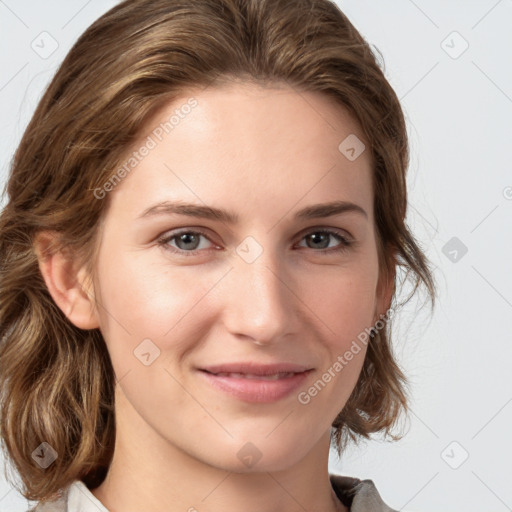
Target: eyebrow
(314, 211)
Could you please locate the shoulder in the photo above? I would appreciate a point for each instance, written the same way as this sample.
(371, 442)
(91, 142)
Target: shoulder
(76, 497)
(358, 495)
(57, 505)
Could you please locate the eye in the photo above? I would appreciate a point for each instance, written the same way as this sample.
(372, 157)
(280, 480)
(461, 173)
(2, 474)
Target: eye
(188, 242)
(320, 239)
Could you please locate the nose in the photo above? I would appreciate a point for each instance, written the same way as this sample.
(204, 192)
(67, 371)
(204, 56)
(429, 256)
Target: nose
(258, 302)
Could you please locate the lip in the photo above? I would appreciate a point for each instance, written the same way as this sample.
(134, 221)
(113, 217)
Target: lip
(256, 368)
(254, 389)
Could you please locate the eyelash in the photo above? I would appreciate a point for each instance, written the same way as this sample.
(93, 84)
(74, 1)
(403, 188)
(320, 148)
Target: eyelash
(164, 241)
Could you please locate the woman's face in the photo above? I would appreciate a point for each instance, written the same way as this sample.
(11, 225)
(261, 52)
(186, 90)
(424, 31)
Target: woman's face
(263, 282)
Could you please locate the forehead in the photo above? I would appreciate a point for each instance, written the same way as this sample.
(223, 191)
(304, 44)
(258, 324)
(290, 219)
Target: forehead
(236, 142)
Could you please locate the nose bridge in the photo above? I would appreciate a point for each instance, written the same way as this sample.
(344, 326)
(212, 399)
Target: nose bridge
(260, 303)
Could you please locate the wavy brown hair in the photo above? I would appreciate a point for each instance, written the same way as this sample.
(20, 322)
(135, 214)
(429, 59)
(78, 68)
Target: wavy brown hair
(57, 381)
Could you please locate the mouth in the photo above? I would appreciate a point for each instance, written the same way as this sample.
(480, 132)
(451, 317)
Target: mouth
(256, 387)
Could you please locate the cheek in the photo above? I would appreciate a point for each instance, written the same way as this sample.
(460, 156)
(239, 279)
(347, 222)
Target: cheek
(141, 301)
(349, 320)
(344, 302)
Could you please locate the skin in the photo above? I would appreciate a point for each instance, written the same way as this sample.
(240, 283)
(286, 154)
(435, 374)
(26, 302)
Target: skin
(263, 153)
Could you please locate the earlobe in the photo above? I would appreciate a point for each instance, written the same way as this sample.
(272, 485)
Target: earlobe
(65, 282)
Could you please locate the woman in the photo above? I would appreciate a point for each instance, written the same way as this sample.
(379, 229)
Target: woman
(139, 373)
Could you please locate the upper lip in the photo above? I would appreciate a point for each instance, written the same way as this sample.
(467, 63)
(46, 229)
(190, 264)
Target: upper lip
(253, 368)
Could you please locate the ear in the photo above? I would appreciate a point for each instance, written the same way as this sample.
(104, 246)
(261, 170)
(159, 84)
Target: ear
(384, 293)
(66, 282)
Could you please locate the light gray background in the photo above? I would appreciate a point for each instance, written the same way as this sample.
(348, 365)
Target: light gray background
(459, 110)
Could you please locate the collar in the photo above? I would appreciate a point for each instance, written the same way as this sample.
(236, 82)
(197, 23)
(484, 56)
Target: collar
(358, 495)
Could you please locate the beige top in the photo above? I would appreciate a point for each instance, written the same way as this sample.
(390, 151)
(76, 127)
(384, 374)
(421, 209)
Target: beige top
(358, 495)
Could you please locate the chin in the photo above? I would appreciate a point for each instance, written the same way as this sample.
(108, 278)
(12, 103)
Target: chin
(260, 456)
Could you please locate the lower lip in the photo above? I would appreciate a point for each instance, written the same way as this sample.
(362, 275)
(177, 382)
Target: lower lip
(257, 390)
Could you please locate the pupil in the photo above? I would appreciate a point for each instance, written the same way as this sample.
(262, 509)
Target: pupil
(186, 238)
(316, 236)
